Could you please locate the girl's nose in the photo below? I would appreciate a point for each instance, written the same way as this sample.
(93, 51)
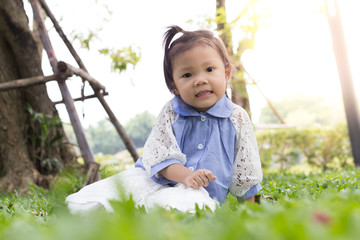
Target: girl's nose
(199, 80)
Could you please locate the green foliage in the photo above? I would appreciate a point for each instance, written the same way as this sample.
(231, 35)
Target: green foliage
(139, 128)
(113, 164)
(287, 185)
(85, 39)
(121, 58)
(42, 139)
(320, 147)
(103, 137)
(86, 36)
(278, 148)
(241, 30)
(292, 206)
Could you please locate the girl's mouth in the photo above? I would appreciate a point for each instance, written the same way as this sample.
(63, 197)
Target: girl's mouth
(203, 93)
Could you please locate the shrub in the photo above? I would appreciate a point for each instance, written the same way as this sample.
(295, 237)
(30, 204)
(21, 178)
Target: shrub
(320, 147)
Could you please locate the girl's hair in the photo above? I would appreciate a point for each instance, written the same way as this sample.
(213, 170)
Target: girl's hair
(188, 40)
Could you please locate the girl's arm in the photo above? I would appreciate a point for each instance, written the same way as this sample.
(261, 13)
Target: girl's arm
(161, 144)
(180, 173)
(247, 173)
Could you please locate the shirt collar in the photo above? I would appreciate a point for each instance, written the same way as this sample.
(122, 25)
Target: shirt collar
(222, 108)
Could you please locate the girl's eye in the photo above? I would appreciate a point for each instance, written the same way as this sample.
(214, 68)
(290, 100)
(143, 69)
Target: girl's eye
(210, 69)
(187, 75)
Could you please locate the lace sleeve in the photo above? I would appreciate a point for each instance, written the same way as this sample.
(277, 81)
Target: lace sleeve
(247, 166)
(161, 144)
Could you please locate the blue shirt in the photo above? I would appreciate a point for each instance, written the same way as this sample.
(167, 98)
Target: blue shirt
(208, 140)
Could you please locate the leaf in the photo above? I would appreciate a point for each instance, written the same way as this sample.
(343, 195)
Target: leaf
(55, 139)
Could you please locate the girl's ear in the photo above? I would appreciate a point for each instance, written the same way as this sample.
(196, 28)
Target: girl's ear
(228, 71)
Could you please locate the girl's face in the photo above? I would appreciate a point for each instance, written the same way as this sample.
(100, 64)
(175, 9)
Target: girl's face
(200, 77)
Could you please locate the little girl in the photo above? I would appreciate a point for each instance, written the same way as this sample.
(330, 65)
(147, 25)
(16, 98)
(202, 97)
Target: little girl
(201, 147)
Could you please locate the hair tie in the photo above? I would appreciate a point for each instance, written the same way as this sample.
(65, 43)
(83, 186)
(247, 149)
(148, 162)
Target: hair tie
(176, 36)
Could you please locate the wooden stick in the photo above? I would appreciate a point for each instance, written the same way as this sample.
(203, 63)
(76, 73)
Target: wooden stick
(62, 34)
(44, 35)
(62, 66)
(281, 120)
(66, 72)
(92, 172)
(82, 98)
(121, 131)
(25, 82)
(69, 102)
(272, 107)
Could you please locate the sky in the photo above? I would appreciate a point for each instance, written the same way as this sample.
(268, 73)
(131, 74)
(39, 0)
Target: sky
(292, 53)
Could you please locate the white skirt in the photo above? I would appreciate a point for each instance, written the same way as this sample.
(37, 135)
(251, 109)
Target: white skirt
(145, 192)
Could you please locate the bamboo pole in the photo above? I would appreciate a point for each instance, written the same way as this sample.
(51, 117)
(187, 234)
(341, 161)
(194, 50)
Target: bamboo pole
(121, 131)
(69, 102)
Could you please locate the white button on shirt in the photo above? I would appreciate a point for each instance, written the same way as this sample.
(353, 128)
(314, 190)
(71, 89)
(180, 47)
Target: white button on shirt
(200, 146)
(203, 119)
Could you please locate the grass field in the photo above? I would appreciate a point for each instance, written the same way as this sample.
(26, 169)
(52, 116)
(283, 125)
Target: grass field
(292, 206)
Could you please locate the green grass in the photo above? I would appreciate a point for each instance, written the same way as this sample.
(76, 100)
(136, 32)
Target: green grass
(292, 206)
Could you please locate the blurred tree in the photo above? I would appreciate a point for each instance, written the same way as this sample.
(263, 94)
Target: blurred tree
(345, 76)
(139, 128)
(332, 144)
(102, 137)
(286, 155)
(249, 25)
(20, 141)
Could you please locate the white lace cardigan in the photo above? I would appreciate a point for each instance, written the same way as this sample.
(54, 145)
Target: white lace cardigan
(162, 145)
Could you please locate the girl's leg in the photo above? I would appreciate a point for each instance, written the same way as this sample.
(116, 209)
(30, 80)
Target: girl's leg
(143, 190)
(97, 195)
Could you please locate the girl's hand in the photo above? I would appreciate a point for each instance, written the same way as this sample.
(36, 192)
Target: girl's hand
(179, 173)
(199, 178)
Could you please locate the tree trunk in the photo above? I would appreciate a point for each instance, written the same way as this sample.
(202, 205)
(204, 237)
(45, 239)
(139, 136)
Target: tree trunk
(346, 82)
(21, 149)
(239, 94)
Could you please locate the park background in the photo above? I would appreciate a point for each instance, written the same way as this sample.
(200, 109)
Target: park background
(292, 61)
